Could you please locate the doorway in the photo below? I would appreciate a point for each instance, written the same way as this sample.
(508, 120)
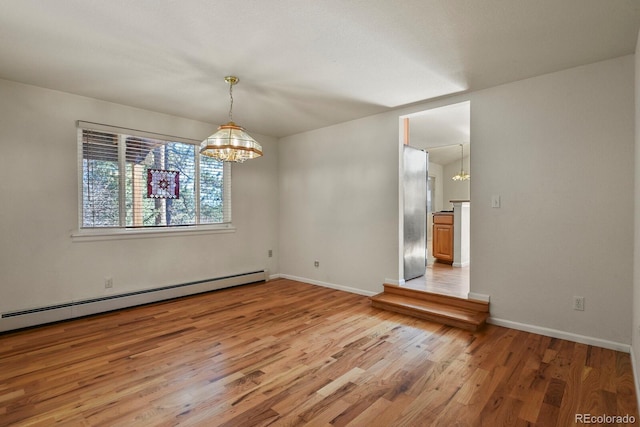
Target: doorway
(444, 133)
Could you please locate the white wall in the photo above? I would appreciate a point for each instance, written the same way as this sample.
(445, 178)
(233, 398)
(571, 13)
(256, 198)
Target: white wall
(557, 148)
(339, 204)
(39, 263)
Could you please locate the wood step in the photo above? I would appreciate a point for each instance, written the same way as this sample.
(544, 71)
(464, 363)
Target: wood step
(458, 312)
(468, 303)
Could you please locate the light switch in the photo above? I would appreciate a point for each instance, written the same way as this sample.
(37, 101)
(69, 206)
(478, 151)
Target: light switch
(495, 201)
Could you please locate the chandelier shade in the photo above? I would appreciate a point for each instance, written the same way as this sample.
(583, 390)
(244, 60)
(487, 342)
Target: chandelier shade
(230, 143)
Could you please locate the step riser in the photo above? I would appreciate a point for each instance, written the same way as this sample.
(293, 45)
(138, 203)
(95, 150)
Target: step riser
(426, 316)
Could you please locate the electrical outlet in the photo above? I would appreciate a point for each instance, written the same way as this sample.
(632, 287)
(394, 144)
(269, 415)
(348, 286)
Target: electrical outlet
(578, 303)
(108, 283)
(495, 201)
(316, 264)
(270, 253)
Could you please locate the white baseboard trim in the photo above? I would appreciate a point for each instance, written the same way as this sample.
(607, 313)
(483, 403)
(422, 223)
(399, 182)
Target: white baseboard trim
(274, 276)
(329, 285)
(398, 282)
(554, 333)
(479, 297)
(461, 264)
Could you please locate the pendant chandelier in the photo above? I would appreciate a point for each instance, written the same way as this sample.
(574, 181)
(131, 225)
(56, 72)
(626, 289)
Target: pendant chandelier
(231, 143)
(462, 175)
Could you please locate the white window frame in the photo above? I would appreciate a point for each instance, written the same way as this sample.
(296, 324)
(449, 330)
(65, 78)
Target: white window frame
(123, 232)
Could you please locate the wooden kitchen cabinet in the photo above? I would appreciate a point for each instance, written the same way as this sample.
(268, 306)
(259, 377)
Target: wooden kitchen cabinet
(443, 236)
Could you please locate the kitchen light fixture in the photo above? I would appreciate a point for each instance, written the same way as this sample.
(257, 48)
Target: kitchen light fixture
(231, 143)
(462, 175)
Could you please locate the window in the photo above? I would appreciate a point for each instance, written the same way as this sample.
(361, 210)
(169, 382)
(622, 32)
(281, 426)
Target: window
(134, 180)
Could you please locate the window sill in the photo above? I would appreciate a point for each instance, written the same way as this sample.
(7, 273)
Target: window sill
(93, 235)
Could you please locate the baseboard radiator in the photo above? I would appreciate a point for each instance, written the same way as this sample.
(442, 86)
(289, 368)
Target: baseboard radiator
(54, 313)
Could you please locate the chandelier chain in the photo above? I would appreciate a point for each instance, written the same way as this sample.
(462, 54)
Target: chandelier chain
(231, 103)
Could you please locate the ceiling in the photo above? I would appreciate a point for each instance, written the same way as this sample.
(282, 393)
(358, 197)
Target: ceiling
(440, 131)
(302, 64)
(449, 154)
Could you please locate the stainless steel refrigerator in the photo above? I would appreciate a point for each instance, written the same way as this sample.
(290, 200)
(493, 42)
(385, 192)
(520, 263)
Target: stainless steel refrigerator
(415, 212)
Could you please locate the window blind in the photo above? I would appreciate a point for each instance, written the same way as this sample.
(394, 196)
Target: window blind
(134, 179)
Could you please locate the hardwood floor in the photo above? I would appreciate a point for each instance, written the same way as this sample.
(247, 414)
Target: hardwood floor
(284, 353)
(443, 279)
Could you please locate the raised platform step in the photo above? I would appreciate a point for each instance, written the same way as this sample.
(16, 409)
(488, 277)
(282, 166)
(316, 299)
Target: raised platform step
(458, 312)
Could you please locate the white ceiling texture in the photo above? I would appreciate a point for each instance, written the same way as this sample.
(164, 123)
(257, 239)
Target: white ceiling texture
(302, 64)
(441, 130)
